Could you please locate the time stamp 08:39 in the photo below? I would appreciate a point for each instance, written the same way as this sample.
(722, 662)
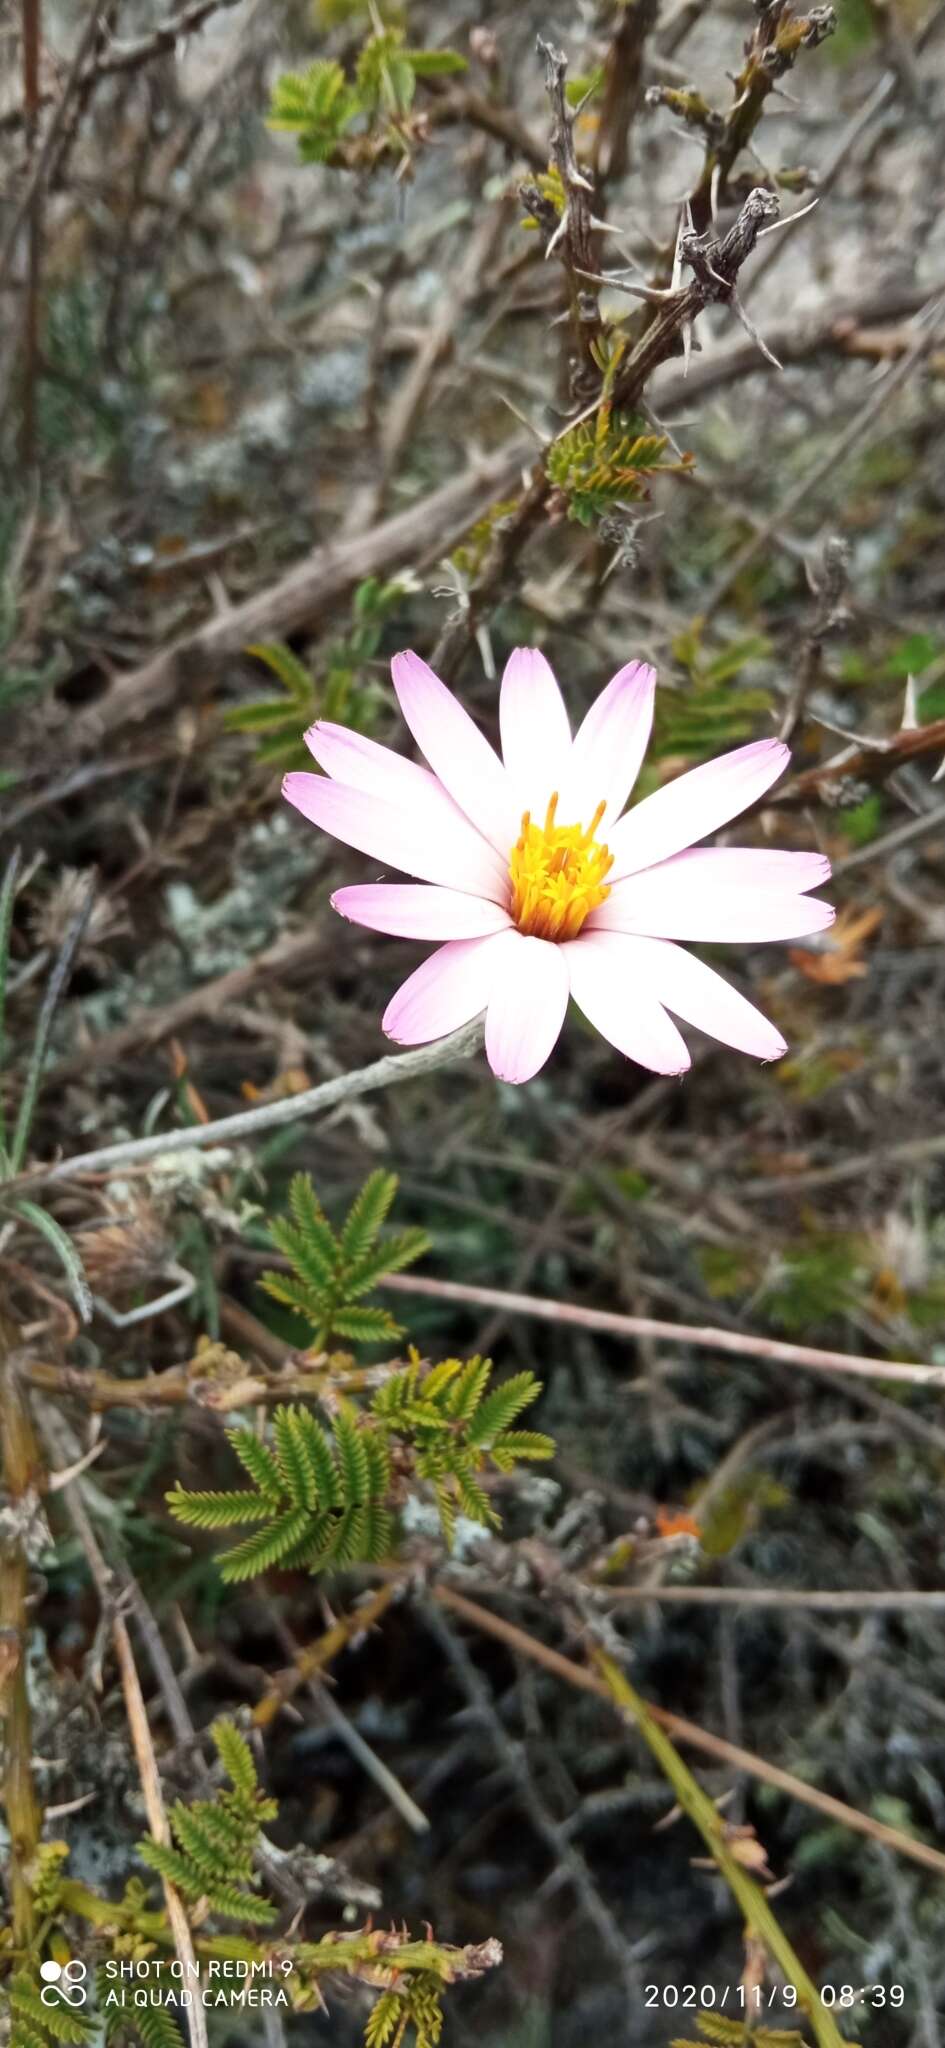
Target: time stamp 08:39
(753, 2000)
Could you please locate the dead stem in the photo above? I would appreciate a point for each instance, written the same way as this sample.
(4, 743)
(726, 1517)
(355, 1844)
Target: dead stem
(22, 1469)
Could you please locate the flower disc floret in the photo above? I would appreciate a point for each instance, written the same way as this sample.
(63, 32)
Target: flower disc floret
(557, 874)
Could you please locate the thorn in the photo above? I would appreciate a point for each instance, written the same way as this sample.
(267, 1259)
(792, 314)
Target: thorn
(939, 775)
(660, 427)
(635, 291)
(484, 644)
(910, 714)
(677, 252)
(560, 231)
(752, 330)
(787, 219)
(544, 440)
(715, 182)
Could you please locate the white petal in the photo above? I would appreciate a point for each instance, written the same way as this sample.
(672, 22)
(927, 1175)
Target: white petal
(431, 839)
(620, 1004)
(609, 747)
(675, 901)
(536, 736)
(526, 1008)
(449, 989)
(694, 805)
(696, 993)
(458, 753)
(412, 910)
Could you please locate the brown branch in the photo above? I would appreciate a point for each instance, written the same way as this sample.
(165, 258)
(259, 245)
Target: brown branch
(138, 1725)
(36, 180)
(623, 88)
(427, 530)
(831, 1600)
(571, 1314)
(458, 104)
(572, 236)
(849, 774)
(316, 1658)
(196, 1387)
(22, 1476)
(146, 1028)
(843, 329)
(510, 538)
(715, 1746)
(716, 266)
(927, 337)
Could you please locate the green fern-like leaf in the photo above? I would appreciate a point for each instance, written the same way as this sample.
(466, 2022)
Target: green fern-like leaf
(330, 1273)
(366, 1214)
(467, 1391)
(296, 1469)
(353, 1463)
(30, 2014)
(236, 1757)
(257, 1460)
(315, 1449)
(266, 1548)
(306, 1256)
(311, 1220)
(298, 1295)
(233, 1904)
(331, 1507)
(606, 461)
(501, 1407)
(168, 1863)
(364, 1325)
(383, 2020)
(47, 1884)
(520, 1444)
(218, 1510)
(389, 1257)
(215, 1840)
(157, 2027)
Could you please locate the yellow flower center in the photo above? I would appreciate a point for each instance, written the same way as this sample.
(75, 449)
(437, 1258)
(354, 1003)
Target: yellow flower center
(557, 875)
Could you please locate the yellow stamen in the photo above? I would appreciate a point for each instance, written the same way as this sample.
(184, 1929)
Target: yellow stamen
(557, 875)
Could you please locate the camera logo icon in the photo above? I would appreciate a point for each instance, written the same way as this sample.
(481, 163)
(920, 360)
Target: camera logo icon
(63, 1983)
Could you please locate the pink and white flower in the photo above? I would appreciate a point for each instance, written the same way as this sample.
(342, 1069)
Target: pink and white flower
(538, 884)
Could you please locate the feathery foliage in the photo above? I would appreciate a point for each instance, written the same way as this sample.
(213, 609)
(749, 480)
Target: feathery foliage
(417, 2005)
(332, 1270)
(157, 2027)
(325, 1500)
(321, 1500)
(34, 2024)
(454, 1426)
(723, 2032)
(217, 1839)
(607, 460)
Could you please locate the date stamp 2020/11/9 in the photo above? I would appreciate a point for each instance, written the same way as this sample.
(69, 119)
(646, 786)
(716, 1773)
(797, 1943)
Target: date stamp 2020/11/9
(754, 1999)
